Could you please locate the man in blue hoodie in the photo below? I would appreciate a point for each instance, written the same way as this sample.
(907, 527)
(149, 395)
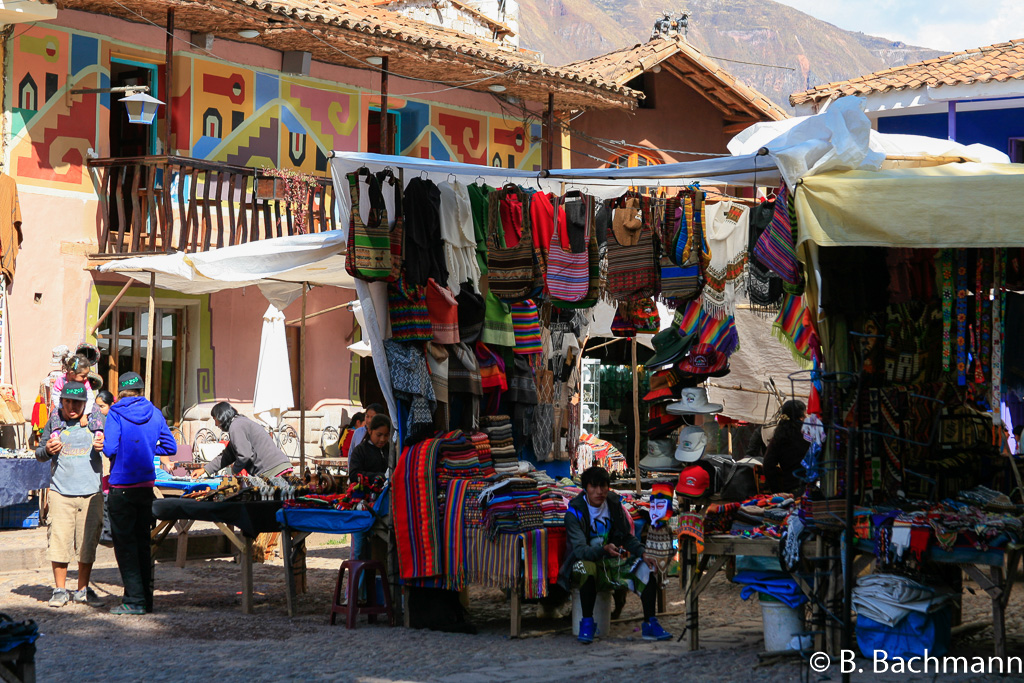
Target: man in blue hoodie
(135, 432)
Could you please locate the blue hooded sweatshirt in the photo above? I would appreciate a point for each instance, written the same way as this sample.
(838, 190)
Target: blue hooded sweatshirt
(135, 432)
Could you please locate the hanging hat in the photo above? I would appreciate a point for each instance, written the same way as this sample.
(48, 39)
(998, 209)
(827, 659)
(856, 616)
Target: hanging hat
(444, 313)
(691, 444)
(669, 346)
(90, 352)
(706, 360)
(95, 381)
(659, 457)
(694, 482)
(694, 402)
(661, 423)
(471, 315)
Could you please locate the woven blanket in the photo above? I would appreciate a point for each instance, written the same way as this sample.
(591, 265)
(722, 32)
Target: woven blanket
(462, 514)
(536, 568)
(776, 248)
(416, 516)
(494, 564)
(793, 327)
(719, 333)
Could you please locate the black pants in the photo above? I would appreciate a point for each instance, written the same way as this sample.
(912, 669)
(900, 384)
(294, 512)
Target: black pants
(588, 597)
(131, 517)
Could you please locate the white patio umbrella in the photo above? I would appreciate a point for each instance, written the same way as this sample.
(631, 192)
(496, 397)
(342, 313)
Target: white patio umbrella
(273, 395)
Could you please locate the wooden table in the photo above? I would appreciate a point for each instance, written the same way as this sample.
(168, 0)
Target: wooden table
(18, 665)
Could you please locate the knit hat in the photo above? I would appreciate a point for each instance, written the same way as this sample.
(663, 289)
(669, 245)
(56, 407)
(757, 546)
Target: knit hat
(497, 322)
(471, 315)
(75, 391)
(660, 423)
(444, 313)
(526, 327)
(129, 380)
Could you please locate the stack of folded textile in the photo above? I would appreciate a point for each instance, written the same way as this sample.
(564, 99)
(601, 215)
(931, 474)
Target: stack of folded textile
(483, 449)
(459, 458)
(509, 504)
(554, 501)
(503, 453)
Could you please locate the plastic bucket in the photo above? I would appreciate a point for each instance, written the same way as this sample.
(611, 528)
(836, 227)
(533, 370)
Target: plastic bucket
(781, 623)
(602, 613)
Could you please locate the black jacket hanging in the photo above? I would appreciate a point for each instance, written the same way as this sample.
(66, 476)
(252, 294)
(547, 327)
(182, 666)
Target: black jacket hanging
(423, 248)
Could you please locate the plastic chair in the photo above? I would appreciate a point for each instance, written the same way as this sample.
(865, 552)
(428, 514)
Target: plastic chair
(366, 571)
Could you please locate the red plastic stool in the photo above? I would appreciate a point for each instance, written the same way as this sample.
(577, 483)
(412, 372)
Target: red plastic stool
(367, 571)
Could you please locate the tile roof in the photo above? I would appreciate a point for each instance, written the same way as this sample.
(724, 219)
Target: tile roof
(999, 62)
(345, 32)
(689, 64)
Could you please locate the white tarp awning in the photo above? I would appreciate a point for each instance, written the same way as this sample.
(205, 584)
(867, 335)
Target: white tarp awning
(277, 266)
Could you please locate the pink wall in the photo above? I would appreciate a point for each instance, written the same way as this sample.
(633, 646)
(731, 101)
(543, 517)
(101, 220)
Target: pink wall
(238, 321)
(682, 119)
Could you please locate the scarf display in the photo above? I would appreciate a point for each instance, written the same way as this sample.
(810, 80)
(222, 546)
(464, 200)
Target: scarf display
(727, 226)
(720, 333)
(776, 247)
(414, 505)
(793, 327)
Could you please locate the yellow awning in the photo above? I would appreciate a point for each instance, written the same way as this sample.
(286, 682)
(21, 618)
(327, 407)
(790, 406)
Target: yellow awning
(953, 205)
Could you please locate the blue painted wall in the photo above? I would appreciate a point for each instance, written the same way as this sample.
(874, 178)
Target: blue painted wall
(993, 128)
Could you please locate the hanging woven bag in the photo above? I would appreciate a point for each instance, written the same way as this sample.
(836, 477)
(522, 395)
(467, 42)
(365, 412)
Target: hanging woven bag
(512, 272)
(633, 271)
(568, 273)
(369, 247)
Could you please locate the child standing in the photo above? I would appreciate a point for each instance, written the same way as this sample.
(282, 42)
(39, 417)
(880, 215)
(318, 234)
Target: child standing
(75, 501)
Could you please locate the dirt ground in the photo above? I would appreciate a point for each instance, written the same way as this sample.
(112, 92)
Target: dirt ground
(198, 631)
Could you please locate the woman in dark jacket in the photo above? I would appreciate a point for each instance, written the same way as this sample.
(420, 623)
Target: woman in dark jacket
(250, 447)
(786, 450)
(369, 458)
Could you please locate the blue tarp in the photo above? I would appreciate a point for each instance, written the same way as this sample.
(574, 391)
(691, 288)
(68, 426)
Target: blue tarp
(18, 476)
(779, 585)
(334, 521)
(188, 486)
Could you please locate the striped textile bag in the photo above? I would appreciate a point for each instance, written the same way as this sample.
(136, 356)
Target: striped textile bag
(633, 271)
(684, 225)
(392, 184)
(776, 247)
(369, 243)
(595, 283)
(568, 275)
(512, 272)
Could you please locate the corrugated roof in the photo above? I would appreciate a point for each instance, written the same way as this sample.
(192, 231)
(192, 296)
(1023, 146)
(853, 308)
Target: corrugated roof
(689, 64)
(345, 32)
(1000, 62)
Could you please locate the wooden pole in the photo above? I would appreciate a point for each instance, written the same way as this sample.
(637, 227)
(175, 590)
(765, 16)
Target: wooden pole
(168, 73)
(326, 310)
(110, 307)
(150, 351)
(302, 386)
(551, 131)
(385, 137)
(636, 415)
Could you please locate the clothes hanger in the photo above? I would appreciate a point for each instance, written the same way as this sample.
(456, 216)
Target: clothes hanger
(423, 175)
(452, 178)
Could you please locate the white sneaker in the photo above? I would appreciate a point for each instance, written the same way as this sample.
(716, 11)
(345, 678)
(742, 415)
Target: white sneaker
(59, 598)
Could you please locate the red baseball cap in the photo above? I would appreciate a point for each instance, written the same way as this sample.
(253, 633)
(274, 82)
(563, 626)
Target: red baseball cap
(693, 482)
(704, 359)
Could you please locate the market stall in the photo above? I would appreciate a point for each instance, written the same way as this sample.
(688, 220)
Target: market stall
(480, 329)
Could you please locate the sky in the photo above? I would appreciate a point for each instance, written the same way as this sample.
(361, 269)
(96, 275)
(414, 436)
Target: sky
(938, 24)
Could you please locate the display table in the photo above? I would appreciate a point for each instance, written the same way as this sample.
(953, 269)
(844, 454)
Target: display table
(1001, 565)
(170, 488)
(251, 518)
(19, 476)
(298, 523)
(696, 572)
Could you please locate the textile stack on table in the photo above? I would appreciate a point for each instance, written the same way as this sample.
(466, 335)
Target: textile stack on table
(461, 458)
(511, 506)
(503, 453)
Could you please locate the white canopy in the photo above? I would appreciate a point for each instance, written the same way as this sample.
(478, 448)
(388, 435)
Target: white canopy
(277, 266)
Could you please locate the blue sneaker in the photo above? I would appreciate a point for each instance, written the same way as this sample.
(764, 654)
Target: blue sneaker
(650, 630)
(588, 627)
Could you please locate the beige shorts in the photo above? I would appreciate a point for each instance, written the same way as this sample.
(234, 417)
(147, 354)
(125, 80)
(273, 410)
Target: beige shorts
(75, 526)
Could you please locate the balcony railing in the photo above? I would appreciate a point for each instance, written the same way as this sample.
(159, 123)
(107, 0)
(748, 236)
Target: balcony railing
(158, 204)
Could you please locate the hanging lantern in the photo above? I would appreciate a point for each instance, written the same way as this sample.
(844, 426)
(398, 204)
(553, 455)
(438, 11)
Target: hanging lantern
(141, 108)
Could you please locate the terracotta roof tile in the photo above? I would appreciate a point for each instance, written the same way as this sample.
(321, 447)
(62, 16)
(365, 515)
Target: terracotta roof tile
(1000, 62)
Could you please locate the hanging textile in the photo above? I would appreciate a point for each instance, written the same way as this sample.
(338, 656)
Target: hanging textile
(391, 191)
(479, 201)
(10, 226)
(983, 318)
(369, 239)
(414, 504)
(776, 248)
(424, 248)
(961, 317)
(407, 308)
(727, 227)
(543, 207)
(498, 329)
(595, 282)
(793, 328)
(998, 275)
(945, 258)
(459, 237)
(633, 272)
(568, 268)
(513, 271)
(526, 327)
(694, 323)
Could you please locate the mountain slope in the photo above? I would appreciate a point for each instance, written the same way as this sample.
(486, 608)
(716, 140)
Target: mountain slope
(733, 31)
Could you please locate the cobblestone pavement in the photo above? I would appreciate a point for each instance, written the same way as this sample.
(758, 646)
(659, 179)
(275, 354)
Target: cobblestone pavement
(198, 633)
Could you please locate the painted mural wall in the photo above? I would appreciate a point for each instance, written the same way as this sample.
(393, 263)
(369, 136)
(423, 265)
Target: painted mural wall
(223, 112)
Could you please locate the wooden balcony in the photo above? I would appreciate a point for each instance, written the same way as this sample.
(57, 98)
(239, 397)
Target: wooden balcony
(159, 204)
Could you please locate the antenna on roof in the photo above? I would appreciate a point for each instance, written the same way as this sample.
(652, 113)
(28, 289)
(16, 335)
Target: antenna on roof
(667, 27)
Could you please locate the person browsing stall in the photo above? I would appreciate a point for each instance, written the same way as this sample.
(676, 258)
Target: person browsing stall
(360, 432)
(249, 447)
(604, 554)
(786, 450)
(369, 459)
(76, 504)
(136, 432)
